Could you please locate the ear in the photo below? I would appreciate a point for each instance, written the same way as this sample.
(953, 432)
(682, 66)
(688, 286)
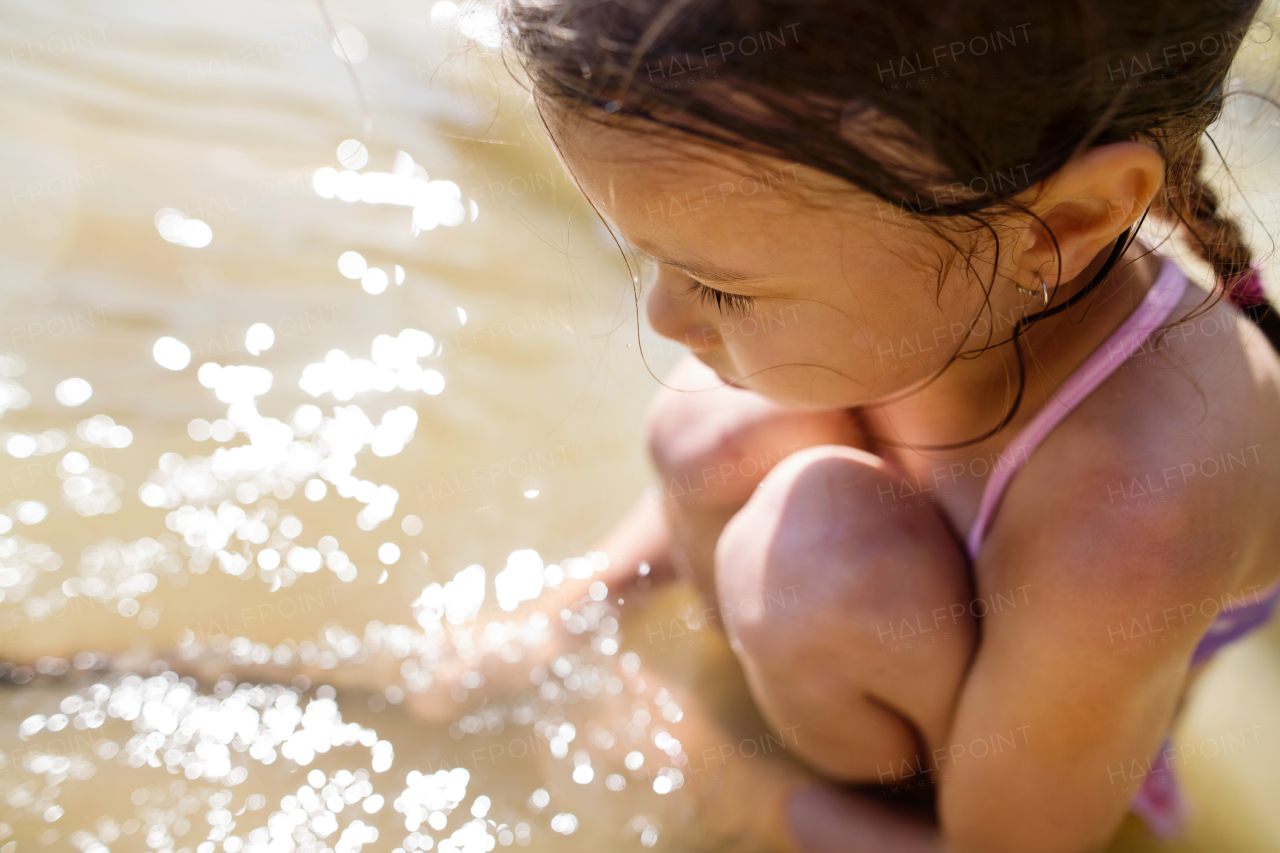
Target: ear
(1086, 205)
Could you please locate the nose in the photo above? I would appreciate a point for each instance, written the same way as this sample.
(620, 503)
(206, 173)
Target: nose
(675, 313)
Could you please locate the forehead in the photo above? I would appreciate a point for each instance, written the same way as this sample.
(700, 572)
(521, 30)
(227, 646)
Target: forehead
(660, 189)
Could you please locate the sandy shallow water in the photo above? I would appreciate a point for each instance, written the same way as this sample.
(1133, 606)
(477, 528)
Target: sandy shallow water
(516, 429)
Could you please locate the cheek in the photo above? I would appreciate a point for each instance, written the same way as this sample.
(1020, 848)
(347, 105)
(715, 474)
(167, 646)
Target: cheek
(762, 335)
(824, 357)
(798, 333)
(798, 356)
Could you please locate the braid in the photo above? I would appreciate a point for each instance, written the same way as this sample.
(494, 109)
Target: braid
(1189, 203)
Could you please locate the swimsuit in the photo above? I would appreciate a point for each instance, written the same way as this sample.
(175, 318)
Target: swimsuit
(1159, 801)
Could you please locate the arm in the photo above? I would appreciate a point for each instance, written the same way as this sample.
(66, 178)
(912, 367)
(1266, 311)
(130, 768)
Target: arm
(1054, 725)
(641, 537)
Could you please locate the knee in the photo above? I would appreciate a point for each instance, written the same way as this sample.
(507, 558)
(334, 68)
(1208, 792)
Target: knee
(813, 558)
(714, 447)
(700, 462)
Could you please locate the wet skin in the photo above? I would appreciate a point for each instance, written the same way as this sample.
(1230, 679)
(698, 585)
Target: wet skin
(817, 397)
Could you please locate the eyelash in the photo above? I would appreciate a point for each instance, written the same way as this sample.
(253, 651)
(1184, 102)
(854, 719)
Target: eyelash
(726, 303)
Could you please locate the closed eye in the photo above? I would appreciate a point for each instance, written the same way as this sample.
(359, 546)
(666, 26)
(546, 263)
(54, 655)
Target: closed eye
(726, 303)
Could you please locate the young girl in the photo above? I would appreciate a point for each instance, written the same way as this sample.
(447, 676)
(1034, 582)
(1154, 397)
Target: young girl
(968, 462)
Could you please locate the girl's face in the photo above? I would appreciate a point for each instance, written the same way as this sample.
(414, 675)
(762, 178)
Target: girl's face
(782, 279)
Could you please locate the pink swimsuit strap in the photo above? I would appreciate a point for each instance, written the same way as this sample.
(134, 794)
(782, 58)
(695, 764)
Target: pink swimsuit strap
(1160, 801)
(1127, 340)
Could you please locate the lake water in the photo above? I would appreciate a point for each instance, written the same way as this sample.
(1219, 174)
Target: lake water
(426, 370)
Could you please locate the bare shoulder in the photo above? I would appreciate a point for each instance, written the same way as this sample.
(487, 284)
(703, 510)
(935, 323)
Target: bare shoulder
(1163, 486)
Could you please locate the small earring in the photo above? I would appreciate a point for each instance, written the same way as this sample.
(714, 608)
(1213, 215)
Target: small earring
(1044, 290)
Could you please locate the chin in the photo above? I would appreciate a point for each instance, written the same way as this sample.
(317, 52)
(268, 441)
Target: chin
(796, 387)
(791, 396)
(719, 371)
(805, 393)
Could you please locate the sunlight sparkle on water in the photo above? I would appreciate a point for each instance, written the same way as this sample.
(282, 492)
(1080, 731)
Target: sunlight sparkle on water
(21, 446)
(444, 14)
(353, 154)
(73, 392)
(351, 45)
(259, 338)
(352, 264)
(434, 202)
(374, 281)
(521, 580)
(171, 353)
(175, 227)
(235, 383)
(211, 743)
(31, 512)
(393, 364)
(480, 24)
(104, 432)
(225, 510)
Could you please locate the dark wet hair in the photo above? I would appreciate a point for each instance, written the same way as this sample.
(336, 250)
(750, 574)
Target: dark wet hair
(996, 96)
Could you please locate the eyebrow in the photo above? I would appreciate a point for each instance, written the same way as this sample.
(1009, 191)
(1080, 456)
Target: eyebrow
(702, 271)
